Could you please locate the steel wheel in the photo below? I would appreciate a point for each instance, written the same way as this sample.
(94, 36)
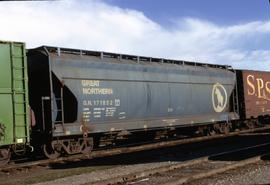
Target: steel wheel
(50, 152)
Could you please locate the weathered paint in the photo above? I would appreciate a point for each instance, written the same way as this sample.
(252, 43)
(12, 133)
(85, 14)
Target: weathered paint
(14, 112)
(256, 91)
(129, 94)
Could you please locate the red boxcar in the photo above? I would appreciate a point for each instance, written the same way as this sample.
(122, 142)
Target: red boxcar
(253, 93)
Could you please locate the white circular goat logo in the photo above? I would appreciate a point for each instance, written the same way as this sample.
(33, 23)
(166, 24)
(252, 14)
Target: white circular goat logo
(219, 97)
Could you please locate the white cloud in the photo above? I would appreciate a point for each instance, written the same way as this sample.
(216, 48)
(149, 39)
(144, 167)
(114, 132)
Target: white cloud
(95, 25)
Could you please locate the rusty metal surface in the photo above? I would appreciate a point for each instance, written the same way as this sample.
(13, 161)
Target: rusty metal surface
(256, 91)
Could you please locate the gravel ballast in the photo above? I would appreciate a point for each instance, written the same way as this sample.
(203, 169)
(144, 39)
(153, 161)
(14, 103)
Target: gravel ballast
(249, 175)
(105, 174)
(253, 174)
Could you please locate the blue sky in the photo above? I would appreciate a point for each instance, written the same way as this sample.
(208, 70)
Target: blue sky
(228, 32)
(218, 11)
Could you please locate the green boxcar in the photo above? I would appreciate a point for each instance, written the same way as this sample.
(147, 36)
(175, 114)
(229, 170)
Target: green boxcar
(14, 107)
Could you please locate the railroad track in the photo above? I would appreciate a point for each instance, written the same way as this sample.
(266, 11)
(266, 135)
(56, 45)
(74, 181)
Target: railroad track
(191, 170)
(126, 149)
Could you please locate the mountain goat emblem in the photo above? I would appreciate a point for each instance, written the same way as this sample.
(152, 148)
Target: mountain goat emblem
(219, 97)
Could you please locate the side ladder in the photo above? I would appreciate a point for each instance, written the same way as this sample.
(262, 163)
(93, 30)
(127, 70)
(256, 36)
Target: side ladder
(19, 93)
(60, 101)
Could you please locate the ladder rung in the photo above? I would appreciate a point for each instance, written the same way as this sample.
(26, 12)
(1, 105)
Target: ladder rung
(20, 114)
(15, 67)
(19, 79)
(21, 137)
(18, 56)
(17, 102)
(19, 92)
(20, 125)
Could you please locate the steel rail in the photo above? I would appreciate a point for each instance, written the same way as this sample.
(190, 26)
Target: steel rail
(145, 175)
(126, 150)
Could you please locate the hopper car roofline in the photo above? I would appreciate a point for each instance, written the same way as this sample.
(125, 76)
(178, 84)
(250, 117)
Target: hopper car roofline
(101, 54)
(10, 42)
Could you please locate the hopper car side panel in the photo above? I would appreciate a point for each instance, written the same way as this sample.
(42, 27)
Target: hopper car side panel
(109, 94)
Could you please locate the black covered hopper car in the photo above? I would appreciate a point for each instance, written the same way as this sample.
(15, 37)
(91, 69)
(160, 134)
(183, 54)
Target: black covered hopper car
(77, 95)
